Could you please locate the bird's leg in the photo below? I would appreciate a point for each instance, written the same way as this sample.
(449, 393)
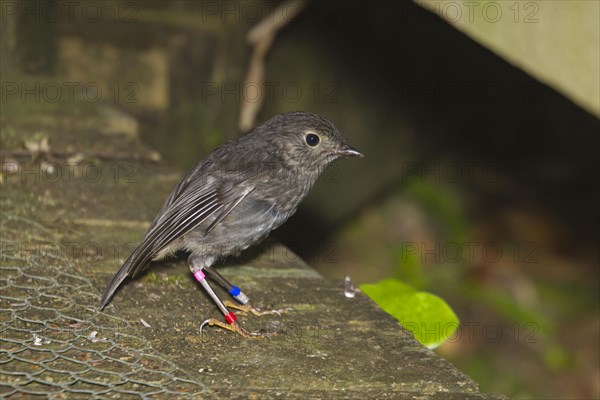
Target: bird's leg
(233, 290)
(237, 294)
(230, 317)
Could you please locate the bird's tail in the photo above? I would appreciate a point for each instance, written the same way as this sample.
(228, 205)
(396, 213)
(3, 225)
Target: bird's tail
(129, 267)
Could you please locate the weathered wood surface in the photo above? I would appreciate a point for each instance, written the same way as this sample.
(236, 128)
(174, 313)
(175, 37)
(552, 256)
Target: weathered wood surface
(64, 236)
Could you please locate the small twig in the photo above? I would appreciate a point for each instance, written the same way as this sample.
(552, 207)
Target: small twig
(261, 37)
(278, 20)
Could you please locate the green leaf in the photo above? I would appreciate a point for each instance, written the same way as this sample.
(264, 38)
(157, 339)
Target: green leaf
(427, 316)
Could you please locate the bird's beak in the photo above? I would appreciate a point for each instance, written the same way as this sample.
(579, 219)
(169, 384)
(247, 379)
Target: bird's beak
(348, 151)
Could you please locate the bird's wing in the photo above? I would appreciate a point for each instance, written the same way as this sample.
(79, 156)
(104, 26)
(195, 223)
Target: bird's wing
(192, 203)
(181, 186)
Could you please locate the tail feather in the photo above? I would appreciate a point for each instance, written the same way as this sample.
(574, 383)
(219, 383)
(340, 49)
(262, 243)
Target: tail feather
(131, 264)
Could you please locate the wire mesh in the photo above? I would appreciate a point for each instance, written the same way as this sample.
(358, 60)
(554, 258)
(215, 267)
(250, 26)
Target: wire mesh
(54, 343)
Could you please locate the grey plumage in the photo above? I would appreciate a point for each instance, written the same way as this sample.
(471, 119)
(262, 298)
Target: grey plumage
(242, 191)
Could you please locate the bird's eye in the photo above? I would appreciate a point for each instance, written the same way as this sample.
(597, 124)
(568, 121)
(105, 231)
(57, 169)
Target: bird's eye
(312, 139)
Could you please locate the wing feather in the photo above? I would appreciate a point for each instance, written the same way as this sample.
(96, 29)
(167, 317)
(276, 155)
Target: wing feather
(191, 203)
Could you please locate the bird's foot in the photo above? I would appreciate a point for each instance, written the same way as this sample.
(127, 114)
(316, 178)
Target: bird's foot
(235, 328)
(249, 308)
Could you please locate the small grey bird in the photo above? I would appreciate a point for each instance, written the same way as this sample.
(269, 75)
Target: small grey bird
(236, 196)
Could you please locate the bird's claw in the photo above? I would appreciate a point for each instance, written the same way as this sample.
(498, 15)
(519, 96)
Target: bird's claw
(235, 328)
(248, 308)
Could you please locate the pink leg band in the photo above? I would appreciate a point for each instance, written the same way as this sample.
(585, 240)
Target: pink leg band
(199, 275)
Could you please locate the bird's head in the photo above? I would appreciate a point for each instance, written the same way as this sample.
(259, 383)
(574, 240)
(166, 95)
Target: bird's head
(306, 141)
